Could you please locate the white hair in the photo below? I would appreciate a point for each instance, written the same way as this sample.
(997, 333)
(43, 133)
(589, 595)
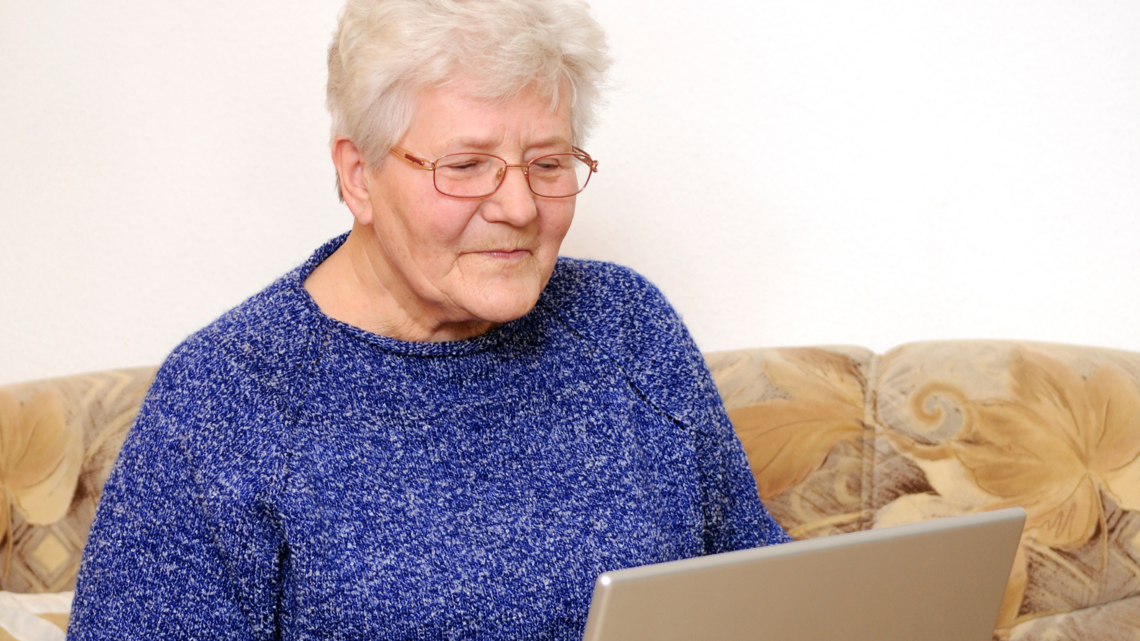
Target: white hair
(385, 51)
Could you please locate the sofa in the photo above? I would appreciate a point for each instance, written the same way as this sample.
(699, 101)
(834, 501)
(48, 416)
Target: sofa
(839, 439)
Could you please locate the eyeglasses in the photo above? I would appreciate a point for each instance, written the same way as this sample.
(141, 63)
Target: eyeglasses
(476, 175)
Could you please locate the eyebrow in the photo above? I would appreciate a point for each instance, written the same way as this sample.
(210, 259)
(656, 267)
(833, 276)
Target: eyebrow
(487, 144)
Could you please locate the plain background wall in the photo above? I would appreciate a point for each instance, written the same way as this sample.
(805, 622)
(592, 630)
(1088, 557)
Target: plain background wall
(789, 172)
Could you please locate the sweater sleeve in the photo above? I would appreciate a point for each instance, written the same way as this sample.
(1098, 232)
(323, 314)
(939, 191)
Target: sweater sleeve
(735, 519)
(181, 547)
(633, 322)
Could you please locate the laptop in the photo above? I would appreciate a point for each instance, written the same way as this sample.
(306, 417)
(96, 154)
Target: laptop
(940, 580)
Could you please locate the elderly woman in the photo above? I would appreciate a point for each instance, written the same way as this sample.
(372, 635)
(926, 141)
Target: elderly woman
(435, 427)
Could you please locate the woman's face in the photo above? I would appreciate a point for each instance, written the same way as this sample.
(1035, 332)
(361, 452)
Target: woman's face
(464, 260)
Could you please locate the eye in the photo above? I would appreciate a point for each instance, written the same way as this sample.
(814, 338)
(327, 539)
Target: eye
(464, 163)
(547, 163)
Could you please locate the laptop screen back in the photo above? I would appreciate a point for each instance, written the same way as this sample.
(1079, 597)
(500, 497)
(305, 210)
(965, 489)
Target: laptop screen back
(939, 580)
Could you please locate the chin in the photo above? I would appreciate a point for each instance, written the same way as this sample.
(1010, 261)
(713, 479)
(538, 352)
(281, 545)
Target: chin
(503, 305)
(504, 295)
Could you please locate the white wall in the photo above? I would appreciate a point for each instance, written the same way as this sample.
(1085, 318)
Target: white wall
(789, 172)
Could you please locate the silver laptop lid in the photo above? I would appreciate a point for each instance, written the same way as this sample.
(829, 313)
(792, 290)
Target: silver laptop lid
(940, 580)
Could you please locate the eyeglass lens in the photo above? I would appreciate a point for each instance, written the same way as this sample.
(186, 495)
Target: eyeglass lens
(474, 175)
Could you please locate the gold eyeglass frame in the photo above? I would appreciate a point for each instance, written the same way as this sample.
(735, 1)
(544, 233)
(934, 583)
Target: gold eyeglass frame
(429, 165)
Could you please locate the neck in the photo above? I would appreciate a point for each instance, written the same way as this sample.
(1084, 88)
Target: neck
(356, 285)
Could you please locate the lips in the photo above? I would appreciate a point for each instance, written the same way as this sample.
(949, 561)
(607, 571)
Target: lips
(504, 254)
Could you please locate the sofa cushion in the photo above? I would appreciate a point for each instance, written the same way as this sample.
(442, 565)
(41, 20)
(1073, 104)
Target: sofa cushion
(938, 429)
(801, 416)
(1116, 621)
(61, 437)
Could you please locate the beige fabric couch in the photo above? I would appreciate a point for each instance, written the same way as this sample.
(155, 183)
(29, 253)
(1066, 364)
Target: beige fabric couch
(839, 438)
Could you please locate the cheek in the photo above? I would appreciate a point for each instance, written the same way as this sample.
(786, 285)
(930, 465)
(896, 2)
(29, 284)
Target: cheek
(437, 227)
(446, 226)
(414, 211)
(556, 218)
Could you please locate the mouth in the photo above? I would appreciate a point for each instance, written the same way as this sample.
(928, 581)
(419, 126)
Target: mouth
(508, 255)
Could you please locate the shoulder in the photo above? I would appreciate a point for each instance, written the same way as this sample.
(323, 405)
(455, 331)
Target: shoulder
(259, 337)
(604, 296)
(628, 318)
(231, 390)
(259, 348)
(579, 275)
(258, 341)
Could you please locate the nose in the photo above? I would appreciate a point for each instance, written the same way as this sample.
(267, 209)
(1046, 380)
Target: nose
(513, 202)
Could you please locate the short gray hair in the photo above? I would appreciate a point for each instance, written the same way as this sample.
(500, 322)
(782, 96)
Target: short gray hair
(384, 51)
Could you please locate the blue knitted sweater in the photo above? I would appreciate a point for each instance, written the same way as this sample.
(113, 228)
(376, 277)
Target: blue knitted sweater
(293, 477)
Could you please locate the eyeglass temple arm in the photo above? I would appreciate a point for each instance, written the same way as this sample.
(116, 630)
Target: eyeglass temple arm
(415, 161)
(587, 158)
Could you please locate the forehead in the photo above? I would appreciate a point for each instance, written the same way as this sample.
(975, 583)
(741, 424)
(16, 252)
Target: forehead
(452, 117)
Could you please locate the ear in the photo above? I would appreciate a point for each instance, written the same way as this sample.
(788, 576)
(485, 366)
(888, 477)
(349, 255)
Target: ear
(352, 178)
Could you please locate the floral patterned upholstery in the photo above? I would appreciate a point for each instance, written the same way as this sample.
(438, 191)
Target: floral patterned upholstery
(58, 440)
(841, 439)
